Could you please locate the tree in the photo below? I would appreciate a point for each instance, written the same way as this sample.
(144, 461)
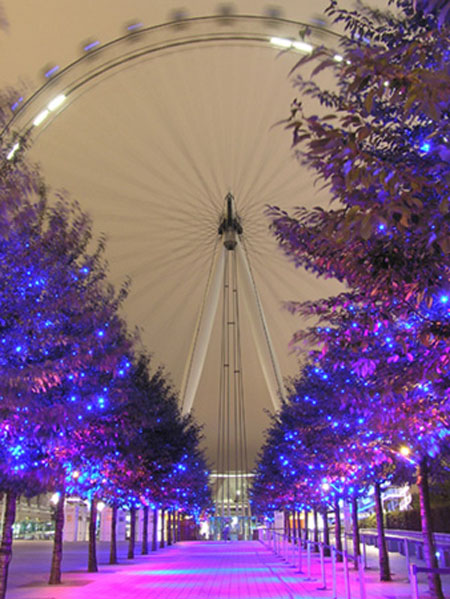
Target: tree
(154, 458)
(329, 444)
(383, 153)
(58, 325)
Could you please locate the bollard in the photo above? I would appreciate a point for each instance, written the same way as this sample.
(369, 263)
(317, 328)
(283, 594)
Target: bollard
(413, 581)
(346, 576)
(362, 582)
(299, 557)
(308, 555)
(407, 558)
(333, 573)
(322, 566)
(364, 551)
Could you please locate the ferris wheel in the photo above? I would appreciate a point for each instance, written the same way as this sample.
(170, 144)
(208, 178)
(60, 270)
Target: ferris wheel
(168, 136)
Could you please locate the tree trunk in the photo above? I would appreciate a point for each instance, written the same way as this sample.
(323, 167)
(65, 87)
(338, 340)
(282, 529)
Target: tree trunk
(169, 527)
(113, 542)
(383, 555)
(355, 531)
(326, 533)
(132, 539)
(294, 527)
(92, 556)
(144, 550)
(55, 571)
(178, 526)
(9, 516)
(287, 524)
(434, 580)
(306, 536)
(316, 531)
(155, 530)
(161, 542)
(299, 526)
(338, 530)
(175, 526)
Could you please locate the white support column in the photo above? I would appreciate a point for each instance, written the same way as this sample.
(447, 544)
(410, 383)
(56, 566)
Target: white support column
(71, 515)
(121, 525)
(202, 335)
(105, 524)
(261, 334)
(139, 525)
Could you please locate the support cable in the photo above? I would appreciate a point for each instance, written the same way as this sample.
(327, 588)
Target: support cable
(202, 334)
(262, 320)
(242, 430)
(220, 497)
(227, 378)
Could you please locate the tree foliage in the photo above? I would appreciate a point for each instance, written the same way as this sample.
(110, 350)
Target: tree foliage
(379, 141)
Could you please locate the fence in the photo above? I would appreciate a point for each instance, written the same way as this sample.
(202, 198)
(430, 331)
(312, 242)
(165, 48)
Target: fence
(297, 551)
(408, 543)
(414, 570)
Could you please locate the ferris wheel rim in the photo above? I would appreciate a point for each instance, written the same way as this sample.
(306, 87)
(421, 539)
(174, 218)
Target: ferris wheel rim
(21, 125)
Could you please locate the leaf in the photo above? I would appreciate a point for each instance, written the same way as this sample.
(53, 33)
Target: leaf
(366, 227)
(368, 102)
(363, 133)
(325, 64)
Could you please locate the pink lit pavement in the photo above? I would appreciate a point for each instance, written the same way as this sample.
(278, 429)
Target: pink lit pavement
(197, 570)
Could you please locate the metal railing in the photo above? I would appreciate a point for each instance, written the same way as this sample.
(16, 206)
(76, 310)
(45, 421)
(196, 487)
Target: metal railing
(414, 570)
(296, 551)
(404, 540)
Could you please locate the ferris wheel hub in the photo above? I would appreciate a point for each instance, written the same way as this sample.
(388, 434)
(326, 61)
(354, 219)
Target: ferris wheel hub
(230, 226)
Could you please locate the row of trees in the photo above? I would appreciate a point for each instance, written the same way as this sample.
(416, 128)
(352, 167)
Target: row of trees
(82, 411)
(378, 374)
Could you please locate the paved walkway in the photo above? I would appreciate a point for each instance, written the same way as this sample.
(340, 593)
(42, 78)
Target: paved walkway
(195, 570)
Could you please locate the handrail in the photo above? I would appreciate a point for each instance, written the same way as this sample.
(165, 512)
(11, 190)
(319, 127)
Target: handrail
(279, 544)
(414, 569)
(278, 541)
(441, 538)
